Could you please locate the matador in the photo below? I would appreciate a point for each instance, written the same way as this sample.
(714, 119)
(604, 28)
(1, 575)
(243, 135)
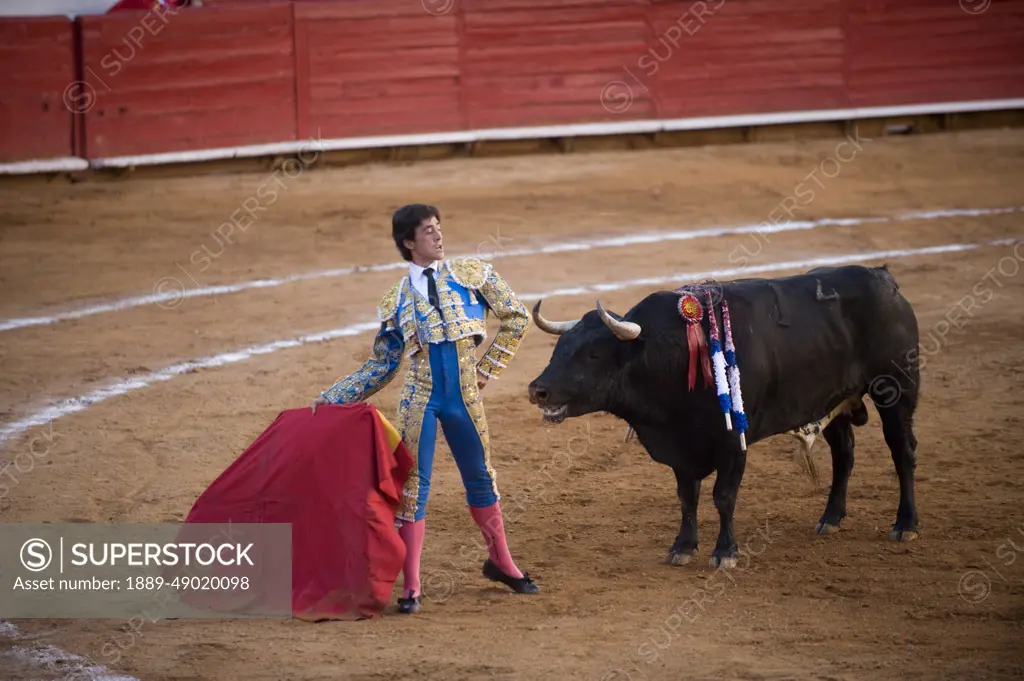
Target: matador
(436, 317)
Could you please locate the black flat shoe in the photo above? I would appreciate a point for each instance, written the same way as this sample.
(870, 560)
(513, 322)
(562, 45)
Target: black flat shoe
(522, 585)
(409, 606)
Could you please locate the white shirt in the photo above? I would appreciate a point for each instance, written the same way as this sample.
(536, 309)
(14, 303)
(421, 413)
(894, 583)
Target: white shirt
(419, 277)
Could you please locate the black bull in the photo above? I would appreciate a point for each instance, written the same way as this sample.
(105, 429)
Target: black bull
(808, 348)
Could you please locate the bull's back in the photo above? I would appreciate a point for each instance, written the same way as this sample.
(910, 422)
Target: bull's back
(805, 343)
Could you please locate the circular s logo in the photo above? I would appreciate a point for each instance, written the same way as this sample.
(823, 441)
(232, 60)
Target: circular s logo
(79, 97)
(437, 7)
(616, 675)
(974, 586)
(975, 6)
(885, 391)
(168, 293)
(36, 555)
(616, 97)
(439, 586)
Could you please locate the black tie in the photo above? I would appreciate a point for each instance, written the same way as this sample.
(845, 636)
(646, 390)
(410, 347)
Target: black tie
(432, 289)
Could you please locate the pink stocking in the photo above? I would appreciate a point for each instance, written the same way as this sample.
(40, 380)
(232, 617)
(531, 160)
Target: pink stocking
(412, 536)
(493, 529)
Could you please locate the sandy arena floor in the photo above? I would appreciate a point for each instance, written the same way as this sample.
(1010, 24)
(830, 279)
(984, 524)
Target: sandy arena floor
(594, 531)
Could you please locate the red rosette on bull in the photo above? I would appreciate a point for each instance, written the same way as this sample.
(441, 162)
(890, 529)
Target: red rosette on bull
(693, 312)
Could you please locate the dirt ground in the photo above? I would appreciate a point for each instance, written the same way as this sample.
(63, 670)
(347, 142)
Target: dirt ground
(593, 525)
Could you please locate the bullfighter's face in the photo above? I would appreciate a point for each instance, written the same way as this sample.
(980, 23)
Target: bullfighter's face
(585, 373)
(428, 244)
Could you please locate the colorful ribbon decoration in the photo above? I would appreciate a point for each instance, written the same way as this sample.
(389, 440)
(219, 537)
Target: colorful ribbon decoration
(739, 417)
(726, 377)
(721, 383)
(691, 310)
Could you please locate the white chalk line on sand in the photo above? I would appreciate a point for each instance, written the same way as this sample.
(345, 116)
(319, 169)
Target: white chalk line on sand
(67, 665)
(176, 296)
(124, 386)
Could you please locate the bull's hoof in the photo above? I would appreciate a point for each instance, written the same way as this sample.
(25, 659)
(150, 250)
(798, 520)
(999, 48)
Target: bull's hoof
(724, 561)
(903, 535)
(826, 528)
(680, 557)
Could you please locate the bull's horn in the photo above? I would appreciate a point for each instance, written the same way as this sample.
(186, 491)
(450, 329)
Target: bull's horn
(556, 328)
(623, 330)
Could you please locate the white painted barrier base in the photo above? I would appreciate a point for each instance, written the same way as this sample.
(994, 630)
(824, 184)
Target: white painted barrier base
(523, 133)
(46, 165)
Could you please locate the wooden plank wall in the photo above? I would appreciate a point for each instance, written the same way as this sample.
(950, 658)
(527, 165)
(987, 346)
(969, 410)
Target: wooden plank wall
(189, 80)
(243, 72)
(376, 67)
(746, 56)
(917, 51)
(38, 67)
(539, 62)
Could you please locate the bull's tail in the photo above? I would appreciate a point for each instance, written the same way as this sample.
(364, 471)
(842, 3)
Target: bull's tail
(853, 407)
(806, 461)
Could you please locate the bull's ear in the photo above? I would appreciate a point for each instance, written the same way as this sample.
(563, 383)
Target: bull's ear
(623, 330)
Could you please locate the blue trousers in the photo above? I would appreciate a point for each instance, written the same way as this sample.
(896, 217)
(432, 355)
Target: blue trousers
(446, 406)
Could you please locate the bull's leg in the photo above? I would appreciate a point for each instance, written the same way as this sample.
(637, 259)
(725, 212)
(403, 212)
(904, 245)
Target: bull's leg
(727, 487)
(898, 429)
(839, 435)
(685, 546)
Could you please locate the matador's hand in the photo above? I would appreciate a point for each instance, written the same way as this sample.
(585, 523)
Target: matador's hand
(481, 381)
(319, 400)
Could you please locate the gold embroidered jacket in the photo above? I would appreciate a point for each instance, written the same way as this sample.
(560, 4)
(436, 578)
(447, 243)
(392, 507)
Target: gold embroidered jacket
(467, 289)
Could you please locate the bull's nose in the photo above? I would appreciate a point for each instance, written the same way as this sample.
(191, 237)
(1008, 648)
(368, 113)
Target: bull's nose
(538, 395)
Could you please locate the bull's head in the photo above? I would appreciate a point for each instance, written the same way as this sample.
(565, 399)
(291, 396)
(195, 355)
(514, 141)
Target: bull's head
(585, 372)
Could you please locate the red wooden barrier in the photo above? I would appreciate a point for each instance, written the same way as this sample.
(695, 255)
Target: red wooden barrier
(540, 62)
(375, 67)
(725, 57)
(191, 79)
(38, 65)
(916, 51)
(249, 72)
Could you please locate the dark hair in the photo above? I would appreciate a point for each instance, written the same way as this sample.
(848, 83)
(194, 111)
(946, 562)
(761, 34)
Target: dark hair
(405, 221)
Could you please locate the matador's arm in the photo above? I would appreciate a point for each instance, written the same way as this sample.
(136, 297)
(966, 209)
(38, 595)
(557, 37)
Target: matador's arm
(515, 322)
(376, 372)
(383, 364)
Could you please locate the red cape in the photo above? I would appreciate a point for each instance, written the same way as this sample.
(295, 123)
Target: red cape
(337, 476)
